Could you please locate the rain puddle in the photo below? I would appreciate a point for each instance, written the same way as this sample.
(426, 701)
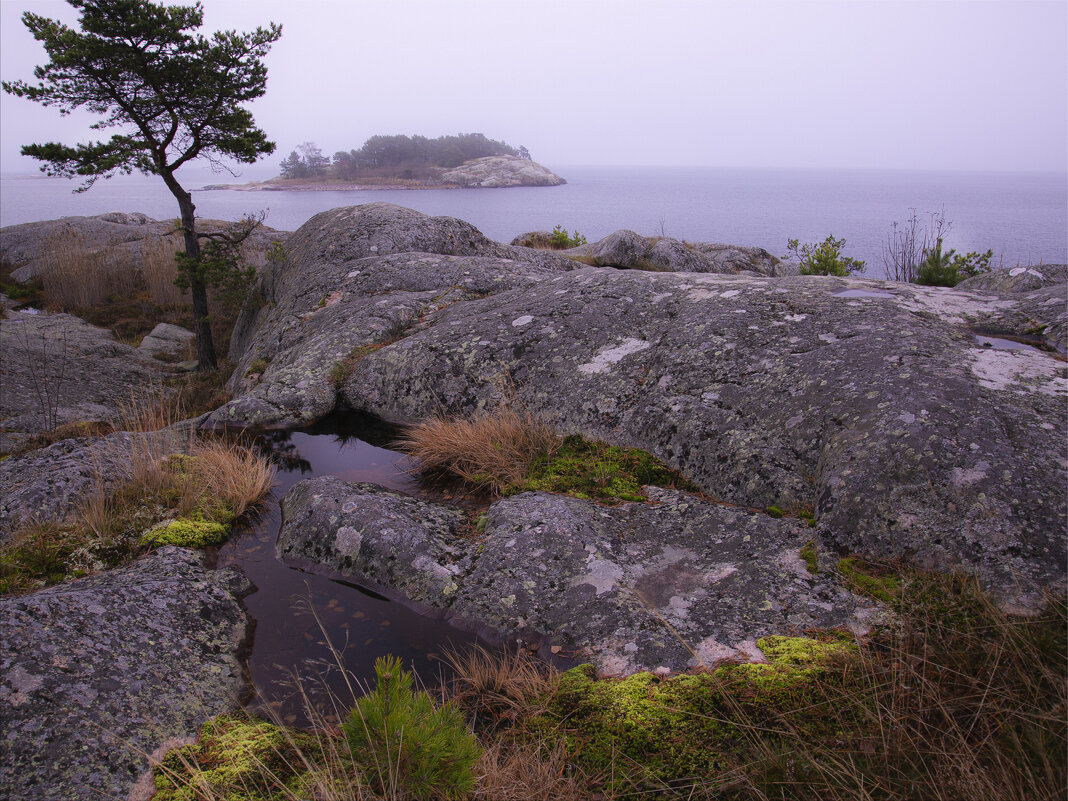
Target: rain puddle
(1007, 342)
(358, 621)
(861, 293)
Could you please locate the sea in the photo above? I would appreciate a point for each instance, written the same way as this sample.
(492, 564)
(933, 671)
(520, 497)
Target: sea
(1021, 217)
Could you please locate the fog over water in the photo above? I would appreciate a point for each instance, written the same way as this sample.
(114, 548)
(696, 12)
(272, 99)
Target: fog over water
(746, 123)
(1023, 218)
(915, 84)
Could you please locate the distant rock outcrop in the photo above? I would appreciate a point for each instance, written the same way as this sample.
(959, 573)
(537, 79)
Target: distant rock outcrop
(494, 172)
(629, 250)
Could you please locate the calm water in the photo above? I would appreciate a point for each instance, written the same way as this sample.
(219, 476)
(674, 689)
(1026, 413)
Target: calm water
(1023, 218)
(357, 620)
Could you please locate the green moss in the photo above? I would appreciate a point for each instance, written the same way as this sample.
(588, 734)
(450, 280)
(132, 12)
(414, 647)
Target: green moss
(237, 759)
(599, 471)
(773, 511)
(651, 731)
(186, 532)
(808, 556)
(866, 579)
(257, 366)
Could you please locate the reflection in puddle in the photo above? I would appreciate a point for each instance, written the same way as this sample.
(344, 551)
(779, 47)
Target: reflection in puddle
(1024, 343)
(862, 293)
(359, 622)
(1000, 343)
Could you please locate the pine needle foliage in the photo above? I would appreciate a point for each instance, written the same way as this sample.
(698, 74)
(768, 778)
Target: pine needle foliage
(414, 749)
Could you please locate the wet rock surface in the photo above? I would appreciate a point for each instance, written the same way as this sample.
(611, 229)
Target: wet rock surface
(100, 671)
(673, 584)
(774, 391)
(364, 530)
(1040, 302)
(353, 278)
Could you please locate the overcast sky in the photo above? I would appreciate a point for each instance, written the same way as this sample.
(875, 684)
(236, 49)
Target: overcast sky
(911, 84)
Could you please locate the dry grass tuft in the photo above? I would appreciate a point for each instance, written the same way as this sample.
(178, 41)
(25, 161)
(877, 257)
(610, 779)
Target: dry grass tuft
(151, 408)
(494, 449)
(169, 474)
(77, 274)
(523, 772)
(231, 474)
(495, 687)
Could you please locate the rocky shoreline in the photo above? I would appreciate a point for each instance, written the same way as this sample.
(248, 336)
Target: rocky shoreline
(491, 172)
(816, 417)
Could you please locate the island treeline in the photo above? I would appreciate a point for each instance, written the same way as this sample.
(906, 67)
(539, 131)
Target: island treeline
(396, 156)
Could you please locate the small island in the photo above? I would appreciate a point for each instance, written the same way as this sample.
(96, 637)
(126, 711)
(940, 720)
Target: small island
(407, 162)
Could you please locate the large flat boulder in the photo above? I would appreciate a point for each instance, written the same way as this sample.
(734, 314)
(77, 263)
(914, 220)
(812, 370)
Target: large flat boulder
(123, 238)
(878, 409)
(354, 278)
(669, 585)
(870, 401)
(97, 673)
(628, 250)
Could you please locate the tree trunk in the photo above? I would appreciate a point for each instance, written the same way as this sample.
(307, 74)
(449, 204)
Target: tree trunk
(199, 293)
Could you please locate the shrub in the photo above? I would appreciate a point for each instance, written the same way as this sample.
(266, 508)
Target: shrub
(949, 269)
(825, 258)
(411, 747)
(561, 240)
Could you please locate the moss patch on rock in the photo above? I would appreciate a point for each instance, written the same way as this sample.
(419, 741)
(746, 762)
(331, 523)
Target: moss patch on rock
(655, 732)
(186, 532)
(598, 471)
(869, 579)
(237, 758)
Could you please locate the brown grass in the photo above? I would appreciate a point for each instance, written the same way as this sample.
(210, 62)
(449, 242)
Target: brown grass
(526, 772)
(159, 269)
(151, 408)
(496, 687)
(231, 474)
(75, 274)
(170, 474)
(493, 449)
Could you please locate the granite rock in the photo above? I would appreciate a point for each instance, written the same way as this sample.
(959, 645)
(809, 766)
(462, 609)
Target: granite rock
(98, 672)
